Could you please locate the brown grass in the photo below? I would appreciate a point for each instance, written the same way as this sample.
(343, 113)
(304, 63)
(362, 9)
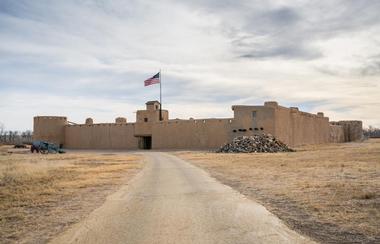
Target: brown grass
(40, 195)
(329, 192)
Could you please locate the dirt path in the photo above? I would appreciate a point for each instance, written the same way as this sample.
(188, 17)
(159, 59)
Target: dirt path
(171, 201)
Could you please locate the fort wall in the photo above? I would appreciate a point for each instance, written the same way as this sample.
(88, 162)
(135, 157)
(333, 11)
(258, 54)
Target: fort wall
(295, 127)
(192, 134)
(353, 130)
(289, 125)
(254, 119)
(336, 133)
(49, 128)
(101, 136)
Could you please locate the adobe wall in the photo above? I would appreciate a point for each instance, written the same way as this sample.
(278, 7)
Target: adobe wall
(254, 119)
(101, 136)
(143, 129)
(192, 134)
(49, 128)
(295, 127)
(336, 133)
(289, 125)
(151, 115)
(353, 129)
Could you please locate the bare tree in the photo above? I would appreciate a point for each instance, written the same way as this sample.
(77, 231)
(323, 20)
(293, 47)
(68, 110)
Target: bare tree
(2, 136)
(26, 136)
(29, 135)
(2, 127)
(372, 132)
(11, 136)
(15, 137)
(5, 136)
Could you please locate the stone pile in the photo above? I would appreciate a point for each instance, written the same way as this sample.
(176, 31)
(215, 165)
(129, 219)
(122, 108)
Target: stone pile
(255, 143)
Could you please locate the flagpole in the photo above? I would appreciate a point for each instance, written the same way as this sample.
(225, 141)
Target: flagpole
(160, 98)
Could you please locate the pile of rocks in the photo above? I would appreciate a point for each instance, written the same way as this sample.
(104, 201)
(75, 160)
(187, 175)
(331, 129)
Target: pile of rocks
(255, 143)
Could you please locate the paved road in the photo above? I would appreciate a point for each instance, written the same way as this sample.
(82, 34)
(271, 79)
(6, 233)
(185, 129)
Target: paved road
(172, 201)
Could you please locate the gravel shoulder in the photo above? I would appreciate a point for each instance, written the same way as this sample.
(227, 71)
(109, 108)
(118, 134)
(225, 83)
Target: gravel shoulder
(328, 192)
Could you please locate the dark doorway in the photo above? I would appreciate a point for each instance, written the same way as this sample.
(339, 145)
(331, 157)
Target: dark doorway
(145, 142)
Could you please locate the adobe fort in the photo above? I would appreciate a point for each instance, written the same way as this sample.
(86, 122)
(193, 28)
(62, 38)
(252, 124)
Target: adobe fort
(289, 125)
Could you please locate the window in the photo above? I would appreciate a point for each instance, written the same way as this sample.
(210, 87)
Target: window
(145, 119)
(254, 114)
(156, 106)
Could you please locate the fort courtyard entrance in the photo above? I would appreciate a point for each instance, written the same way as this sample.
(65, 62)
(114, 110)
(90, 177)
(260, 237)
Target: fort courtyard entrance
(145, 142)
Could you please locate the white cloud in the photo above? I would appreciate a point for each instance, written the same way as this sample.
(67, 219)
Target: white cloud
(89, 58)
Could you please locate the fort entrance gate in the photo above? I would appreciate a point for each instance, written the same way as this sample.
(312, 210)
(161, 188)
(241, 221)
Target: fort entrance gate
(145, 142)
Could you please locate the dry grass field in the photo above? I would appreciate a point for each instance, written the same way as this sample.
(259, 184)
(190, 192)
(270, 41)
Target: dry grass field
(40, 195)
(329, 192)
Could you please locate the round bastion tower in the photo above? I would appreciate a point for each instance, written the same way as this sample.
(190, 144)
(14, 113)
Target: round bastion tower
(50, 128)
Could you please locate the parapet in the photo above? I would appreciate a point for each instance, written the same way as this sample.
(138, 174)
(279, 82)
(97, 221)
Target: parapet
(153, 105)
(272, 104)
(50, 118)
(89, 121)
(121, 120)
(294, 110)
(320, 114)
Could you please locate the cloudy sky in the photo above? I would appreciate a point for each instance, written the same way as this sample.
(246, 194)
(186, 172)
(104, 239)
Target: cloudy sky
(89, 58)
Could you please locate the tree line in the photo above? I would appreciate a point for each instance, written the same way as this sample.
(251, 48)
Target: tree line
(15, 137)
(372, 132)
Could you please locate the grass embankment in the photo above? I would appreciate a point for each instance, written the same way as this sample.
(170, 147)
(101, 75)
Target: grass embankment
(329, 192)
(40, 195)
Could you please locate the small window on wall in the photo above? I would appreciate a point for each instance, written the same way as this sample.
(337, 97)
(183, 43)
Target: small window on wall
(145, 119)
(254, 114)
(156, 106)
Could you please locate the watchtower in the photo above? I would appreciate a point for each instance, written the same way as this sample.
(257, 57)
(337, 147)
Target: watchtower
(152, 113)
(50, 128)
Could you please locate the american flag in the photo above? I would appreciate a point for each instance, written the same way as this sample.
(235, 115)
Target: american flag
(155, 79)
